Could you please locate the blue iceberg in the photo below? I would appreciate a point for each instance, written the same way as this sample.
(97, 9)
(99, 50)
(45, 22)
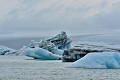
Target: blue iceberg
(39, 53)
(107, 60)
(50, 49)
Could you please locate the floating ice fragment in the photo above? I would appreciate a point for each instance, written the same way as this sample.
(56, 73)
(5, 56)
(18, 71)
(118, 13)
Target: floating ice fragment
(109, 60)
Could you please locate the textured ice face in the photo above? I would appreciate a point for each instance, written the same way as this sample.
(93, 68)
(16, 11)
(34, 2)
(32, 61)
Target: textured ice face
(39, 53)
(60, 41)
(109, 60)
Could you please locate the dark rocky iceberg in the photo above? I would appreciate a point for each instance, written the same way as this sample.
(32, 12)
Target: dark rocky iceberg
(81, 50)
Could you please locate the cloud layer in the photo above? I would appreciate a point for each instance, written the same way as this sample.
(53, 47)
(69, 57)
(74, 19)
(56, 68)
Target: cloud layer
(59, 14)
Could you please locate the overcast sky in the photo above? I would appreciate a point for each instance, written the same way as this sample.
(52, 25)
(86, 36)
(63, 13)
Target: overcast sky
(57, 15)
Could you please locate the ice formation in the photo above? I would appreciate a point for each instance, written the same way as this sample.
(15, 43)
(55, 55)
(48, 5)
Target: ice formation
(49, 49)
(79, 51)
(61, 41)
(39, 53)
(7, 51)
(109, 60)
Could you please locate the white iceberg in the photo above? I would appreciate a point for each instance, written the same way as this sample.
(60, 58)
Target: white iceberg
(7, 51)
(39, 53)
(107, 60)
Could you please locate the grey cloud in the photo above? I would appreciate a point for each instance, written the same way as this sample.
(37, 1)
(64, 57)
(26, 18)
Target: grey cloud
(62, 15)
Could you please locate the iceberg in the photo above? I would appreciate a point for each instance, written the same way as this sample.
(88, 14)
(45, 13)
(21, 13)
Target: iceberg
(7, 51)
(39, 53)
(107, 60)
(61, 41)
(50, 49)
(79, 51)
